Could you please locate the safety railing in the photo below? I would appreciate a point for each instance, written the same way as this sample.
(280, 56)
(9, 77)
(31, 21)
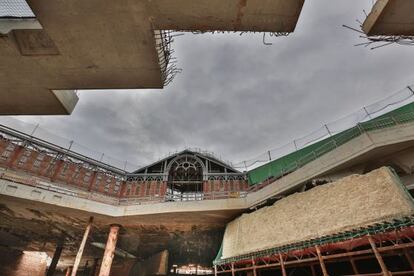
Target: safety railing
(60, 189)
(99, 197)
(335, 142)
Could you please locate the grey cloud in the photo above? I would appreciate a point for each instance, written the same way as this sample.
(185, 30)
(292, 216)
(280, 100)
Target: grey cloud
(238, 97)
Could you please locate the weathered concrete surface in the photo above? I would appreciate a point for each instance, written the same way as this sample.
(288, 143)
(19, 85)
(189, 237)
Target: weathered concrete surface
(232, 15)
(188, 234)
(390, 17)
(38, 195)
(349, 203)
(9, 24)
(154, 265)
(103, 44)
(17, 263)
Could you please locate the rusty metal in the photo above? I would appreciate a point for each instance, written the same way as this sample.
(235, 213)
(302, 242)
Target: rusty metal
(254, 267)
(409, 258)
(109, 250)
(353, 264)
(312, 260)
(81, 247)
(378, 256)
(282, 264)
(321, 262)
(313, 270)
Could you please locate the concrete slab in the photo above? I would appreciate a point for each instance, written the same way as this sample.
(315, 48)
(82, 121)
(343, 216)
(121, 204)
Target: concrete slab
(103, 44)
(230, 15)
(390, 17)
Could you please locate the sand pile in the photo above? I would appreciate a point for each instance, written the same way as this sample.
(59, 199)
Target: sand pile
(354, 201)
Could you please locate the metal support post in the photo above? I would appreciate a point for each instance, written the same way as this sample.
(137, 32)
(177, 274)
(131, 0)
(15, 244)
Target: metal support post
(353, 264)
(409, 258)
(323, 267)
(378, 256)
(254, 267)
(282, 265)
(313, 270)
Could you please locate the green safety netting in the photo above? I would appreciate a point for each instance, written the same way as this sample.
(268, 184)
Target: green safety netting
(374, 229)
(391, 224)
(297, 159)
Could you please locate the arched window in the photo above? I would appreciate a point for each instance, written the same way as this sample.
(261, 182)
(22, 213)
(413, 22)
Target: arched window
(185, 174)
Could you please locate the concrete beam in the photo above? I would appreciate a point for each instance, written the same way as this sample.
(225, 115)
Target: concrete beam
(9, 24)
(386, 140)
(231, 15)
(390, 17)
(103, 44)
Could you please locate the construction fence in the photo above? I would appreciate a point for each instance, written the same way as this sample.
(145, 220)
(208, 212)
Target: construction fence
(395, 109)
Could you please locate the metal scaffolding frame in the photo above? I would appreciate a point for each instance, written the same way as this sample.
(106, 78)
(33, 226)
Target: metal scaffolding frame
(400, 242)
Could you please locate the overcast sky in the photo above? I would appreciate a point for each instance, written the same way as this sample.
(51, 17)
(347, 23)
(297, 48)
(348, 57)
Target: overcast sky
(237, 97)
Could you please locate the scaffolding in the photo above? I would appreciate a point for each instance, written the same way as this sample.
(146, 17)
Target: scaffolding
(390, 238)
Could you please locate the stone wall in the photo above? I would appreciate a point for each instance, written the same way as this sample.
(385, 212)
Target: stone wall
(354, 201)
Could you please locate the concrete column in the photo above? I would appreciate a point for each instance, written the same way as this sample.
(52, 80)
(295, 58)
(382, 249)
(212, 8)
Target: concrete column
(81, 247)
(56, 256)
(109, 251)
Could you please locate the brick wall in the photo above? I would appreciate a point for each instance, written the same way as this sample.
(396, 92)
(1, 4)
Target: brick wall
(46, 166)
